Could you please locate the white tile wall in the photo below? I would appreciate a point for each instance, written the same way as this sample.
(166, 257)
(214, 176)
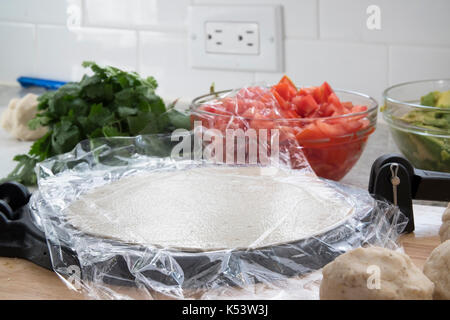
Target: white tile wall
(410, 63)
(324, 40)
(61, 59)
(147, 14)
(17, 48)
(34, 11)
(402, 21)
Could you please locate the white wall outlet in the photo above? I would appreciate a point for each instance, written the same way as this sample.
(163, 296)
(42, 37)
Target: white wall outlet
(236, 38)
(232, 37)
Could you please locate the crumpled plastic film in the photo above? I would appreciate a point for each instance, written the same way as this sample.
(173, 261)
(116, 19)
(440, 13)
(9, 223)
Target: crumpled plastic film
(272, 260)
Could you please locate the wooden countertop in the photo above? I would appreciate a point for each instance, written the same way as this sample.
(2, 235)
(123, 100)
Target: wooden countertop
(20, 279)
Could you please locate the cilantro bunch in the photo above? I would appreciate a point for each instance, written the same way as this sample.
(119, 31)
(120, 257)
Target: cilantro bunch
(111, 102)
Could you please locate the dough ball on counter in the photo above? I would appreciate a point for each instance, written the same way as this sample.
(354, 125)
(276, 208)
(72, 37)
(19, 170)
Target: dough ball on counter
(446, 215)
(6, 118)
(444, 231)
(16, 117)
(437, 270)
(374, 273)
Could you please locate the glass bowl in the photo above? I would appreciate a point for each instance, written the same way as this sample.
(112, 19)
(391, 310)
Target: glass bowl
(422, 133)
(331, 152)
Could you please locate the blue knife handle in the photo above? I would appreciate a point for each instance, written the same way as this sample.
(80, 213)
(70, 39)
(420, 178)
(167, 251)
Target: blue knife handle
(44, 83)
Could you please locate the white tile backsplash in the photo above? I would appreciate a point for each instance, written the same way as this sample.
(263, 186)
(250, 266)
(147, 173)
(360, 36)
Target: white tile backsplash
(359, 67)
(151, 14)
(413, 22)
(402, 21)
(61, 51)
(409, 63)
(35, 11)
(336, 23)
(164, 57)
(324, 40)
(17, 51)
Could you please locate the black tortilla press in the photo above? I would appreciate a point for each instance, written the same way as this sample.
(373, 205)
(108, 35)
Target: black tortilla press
(392, 179)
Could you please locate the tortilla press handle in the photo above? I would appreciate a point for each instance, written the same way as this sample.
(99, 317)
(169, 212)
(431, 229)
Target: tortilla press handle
(394, 179)
(19, 236)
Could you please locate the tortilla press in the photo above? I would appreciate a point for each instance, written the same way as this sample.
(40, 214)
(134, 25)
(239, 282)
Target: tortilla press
(19, 235)
(392, 178)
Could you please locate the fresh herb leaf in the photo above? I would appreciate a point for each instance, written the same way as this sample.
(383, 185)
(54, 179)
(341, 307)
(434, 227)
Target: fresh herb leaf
(24, 170)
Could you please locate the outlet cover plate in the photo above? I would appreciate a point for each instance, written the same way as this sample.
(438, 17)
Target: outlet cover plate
(261, 50)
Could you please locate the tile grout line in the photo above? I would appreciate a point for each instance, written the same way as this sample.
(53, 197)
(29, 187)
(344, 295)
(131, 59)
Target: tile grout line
(318, 19)
(138, 51)
(83, 13)
(388, 58)
(35, 49)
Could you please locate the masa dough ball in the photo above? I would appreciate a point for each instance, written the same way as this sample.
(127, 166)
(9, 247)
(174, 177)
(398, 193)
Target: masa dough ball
(446, 215)
(7, 115)
(444, 231)
(437, 269)
(352, 276)
(16, 117)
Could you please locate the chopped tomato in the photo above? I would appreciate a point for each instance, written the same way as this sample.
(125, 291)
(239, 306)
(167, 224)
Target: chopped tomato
(305, 105)
(310, 133)
(357, 109)
(288, 81)
(289, 114)
(351, 125)
(285, 88)
(322, 93)
(305, 91)
(331, 130)
(260, 121)
(331, 110)
(347, 105)
(285, 91)
(279, 98)
(333, 99)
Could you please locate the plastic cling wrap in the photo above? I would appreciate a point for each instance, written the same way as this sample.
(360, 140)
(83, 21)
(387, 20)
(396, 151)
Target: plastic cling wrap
(124, 220)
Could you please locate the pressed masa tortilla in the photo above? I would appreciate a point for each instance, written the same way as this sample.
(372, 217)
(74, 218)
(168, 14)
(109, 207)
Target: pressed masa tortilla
(210, 208)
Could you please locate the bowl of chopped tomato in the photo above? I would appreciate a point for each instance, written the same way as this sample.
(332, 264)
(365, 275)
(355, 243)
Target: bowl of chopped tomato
(330, 126)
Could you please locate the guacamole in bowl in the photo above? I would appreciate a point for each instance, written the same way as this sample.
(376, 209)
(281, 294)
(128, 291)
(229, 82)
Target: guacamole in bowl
(418, 114)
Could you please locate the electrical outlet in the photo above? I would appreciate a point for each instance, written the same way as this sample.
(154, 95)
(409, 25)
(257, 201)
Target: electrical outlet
(232, 37)
(236, 37)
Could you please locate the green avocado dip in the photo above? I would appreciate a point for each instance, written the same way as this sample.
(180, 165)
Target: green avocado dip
(424, 137)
